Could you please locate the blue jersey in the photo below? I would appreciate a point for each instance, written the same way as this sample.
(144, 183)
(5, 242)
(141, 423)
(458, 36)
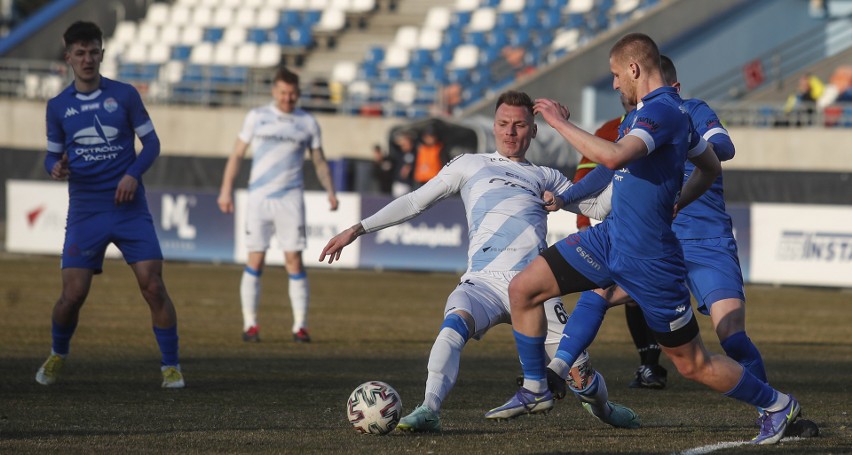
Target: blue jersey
(97, 131)
(706, 216)
(645, 191)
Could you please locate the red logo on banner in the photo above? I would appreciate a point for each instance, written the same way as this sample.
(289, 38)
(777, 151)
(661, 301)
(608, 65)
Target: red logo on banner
(33, 215)
(753, 74)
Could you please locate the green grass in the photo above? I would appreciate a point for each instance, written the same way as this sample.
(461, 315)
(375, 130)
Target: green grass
(280, 397)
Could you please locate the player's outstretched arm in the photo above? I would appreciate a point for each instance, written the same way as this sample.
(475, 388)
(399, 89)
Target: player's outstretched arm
(335, 246)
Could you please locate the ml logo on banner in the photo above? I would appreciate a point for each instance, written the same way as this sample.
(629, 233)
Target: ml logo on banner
(175, 215)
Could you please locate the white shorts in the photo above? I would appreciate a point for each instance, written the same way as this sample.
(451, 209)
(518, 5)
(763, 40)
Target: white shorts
(284, 217)
(485, 296)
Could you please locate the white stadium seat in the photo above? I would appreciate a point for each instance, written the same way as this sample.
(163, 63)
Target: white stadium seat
(511, 6)
(406, 37)
(465, 56)
(429, 38)
(170, 35)
(191, 35)
(181, 15)
(159, 53)
(438, 18)
(396, 57)
(269, 54)
(135, 53)
(466, 5)
(246, 54)
(267, 17)
(483, 20)
(158, 14)
(202, 54)
(125, 32)
(223, 16)
(404, 92)
(579, 6)
(147, 33)
(331, 20)
(223, 54)
(344, 72)
(234, 34)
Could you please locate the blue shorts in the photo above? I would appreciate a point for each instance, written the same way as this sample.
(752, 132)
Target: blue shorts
(657, 284)
(713, 271)
(87, 235)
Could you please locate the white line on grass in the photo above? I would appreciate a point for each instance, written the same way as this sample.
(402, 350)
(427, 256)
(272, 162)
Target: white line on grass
(724, 445)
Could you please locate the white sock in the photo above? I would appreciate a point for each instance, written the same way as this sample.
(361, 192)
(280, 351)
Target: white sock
(443, 368)
(596, 395)
(249, 298)
(299, 293)
(780, 403)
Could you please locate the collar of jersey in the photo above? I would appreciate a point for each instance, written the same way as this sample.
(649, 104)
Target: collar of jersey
(660, 91)
(91, 95)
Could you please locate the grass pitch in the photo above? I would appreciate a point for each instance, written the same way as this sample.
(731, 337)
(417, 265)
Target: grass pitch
(280, 397)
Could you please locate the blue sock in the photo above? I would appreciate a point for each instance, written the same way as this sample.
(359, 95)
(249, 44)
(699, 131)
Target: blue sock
(582, 327)
(167, 339)
(753, 391)
(532, 354)
(740, 348)
(62, 337)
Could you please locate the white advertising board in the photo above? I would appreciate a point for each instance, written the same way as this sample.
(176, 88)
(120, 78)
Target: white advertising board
(801, 244)
(35, 217)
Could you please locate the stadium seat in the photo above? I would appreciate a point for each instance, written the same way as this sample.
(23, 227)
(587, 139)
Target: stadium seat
(266, 18)
(268, 54)
(158, 14)
(396, 57)
(344, 72)
(511, 6)
(482, 20)
(223, 54)
(465, 57)
(362, 6)
(290, 17)
(466, 5)
(297, 5)
(224, 16)
(169, 35)
(191, 35)
(234, 34)
(429, 38)
(202, 54)
(180, 15)
(171, 72)
(437, 18)
(135, 53)
(404, 93)
(125, 33)
(181, 52)
(406, 37)
(213, 34)
(246, 54)
(202, 16)
(247, 17)
(159, 53)
(147, 33)
(331, 21)
(567, 40)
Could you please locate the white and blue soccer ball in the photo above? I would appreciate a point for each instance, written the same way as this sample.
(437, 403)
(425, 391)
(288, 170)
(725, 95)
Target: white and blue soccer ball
(374, 407)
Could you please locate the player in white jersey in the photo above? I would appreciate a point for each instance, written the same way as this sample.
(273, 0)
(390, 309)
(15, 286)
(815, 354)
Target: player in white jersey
(279, 135)
(506, 201)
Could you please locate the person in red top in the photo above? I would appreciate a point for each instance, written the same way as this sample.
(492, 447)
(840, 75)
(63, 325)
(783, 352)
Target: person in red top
(608, 131)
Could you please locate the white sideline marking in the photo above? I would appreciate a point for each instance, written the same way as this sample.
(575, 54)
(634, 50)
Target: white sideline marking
(726, 445)
(712, 448)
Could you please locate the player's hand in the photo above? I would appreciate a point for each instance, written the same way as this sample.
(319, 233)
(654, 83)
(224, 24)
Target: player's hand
(60, 169)
(551, 111)
(126, 189)
(226, 203)
(332, 201)
(335, 246)
(551, 202)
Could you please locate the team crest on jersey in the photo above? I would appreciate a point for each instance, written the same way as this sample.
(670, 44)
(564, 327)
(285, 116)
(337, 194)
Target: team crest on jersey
(71, 111)
(110, 104)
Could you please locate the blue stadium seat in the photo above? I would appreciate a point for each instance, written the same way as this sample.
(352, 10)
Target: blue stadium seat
(460, 18)
(213, 34)
(506, 20)
(476, 38)
(257, 35)
(375, 55)
(520, 38)
(529, 19)
(281, 35)
(181, 52)
(300, 37)
(421, 57)
(291, 18)
(311, 16)
(390, 74)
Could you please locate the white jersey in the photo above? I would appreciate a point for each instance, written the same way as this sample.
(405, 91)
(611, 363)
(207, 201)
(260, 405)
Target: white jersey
(278, 141)
(507, 223)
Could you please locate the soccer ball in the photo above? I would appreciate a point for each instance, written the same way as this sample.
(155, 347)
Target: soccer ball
(374, 408)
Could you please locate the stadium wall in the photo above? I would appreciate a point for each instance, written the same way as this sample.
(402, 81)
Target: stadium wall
(778, 243)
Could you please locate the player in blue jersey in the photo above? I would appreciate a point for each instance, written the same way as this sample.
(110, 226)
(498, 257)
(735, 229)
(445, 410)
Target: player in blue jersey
(705, 232)
(506, 200)
(635, 248)
(279, 134)
(91, 129)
